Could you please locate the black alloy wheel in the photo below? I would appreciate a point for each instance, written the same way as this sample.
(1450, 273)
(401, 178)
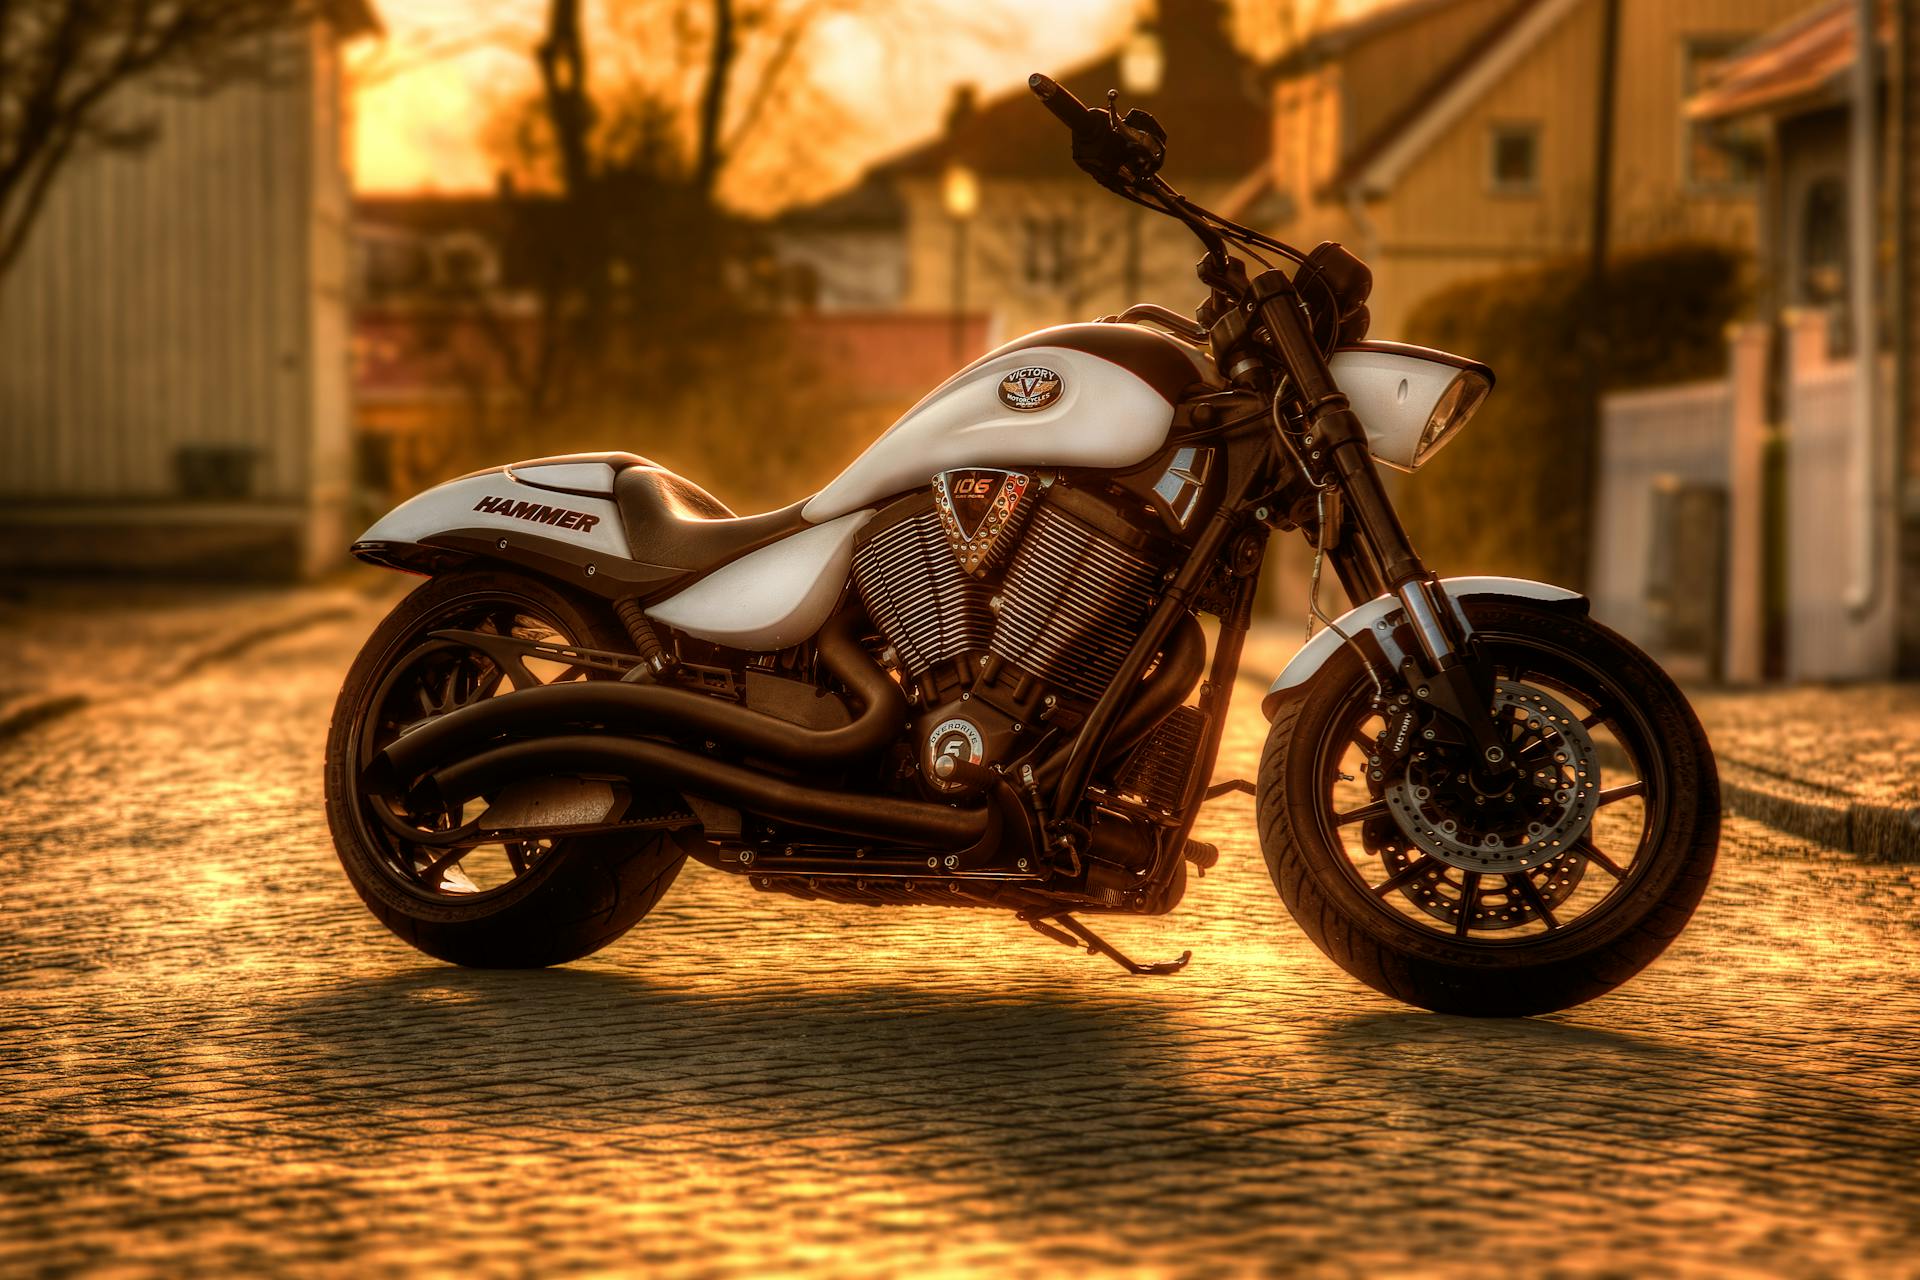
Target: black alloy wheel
(1458, 889)
(427, 873)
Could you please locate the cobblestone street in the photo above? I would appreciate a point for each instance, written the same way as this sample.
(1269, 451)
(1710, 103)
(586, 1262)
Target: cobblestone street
(213, 1059)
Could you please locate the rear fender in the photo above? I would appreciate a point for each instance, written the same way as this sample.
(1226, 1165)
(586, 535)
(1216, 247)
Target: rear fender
(555, 517)
(1381, 619)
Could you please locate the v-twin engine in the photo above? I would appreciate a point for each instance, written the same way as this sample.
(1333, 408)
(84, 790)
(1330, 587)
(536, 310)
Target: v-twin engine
(1025, 641)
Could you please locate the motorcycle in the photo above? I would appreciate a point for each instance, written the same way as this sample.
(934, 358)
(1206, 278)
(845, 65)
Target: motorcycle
(970, 671)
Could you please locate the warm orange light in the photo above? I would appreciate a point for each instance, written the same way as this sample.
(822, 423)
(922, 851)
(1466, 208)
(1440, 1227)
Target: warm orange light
(960, 191)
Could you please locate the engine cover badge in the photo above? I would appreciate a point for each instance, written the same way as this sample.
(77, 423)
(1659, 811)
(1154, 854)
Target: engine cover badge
(956, 737)
(977, 507)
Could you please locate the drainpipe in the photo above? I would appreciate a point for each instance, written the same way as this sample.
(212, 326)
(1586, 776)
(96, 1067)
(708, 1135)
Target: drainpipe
(1864, 480)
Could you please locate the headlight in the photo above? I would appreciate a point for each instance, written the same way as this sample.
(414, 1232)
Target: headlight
(1410, 399)
(1457, 403)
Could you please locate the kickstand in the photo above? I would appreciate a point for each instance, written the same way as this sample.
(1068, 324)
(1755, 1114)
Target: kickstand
(1072, 933)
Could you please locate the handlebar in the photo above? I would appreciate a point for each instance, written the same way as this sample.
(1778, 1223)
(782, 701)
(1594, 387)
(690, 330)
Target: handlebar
(1122, 155)
(1072, 112)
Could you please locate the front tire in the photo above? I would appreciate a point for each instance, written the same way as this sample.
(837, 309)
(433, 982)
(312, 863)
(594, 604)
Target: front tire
(523, 905)
(1399, 904)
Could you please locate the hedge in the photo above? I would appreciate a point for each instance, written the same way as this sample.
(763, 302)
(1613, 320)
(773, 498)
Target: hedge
(1513, 493)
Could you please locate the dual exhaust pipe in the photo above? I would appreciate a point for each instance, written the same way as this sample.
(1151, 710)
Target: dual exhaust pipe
(599, 726)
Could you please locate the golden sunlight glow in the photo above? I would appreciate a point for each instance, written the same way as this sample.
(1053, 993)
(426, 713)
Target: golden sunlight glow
(419, 132)
(426, 93)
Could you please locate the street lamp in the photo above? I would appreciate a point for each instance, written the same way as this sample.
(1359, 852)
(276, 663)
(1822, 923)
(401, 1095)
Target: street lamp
(960, 193)
(1143, 63)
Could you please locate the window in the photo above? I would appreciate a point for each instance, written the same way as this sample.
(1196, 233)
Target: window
(1823, 244)
(1513, 158)
(467, 262)
(1718, 154)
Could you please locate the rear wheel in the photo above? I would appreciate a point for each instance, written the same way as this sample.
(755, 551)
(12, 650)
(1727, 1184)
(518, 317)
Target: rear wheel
(499, 904)
(1428, 882)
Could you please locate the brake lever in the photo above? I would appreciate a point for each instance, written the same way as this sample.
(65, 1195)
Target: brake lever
(1120, 157)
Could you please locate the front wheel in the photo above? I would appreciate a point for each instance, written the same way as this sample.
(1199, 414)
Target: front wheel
(1446, 888)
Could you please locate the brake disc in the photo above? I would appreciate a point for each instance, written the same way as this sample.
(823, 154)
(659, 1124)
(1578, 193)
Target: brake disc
(1443, 892)
(1441, 807)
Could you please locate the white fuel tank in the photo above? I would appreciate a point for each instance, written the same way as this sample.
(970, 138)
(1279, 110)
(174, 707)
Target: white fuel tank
(1076, 395)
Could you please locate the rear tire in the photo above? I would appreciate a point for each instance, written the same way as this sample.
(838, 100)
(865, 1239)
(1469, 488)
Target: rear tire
(577, 896)
(1369, 929)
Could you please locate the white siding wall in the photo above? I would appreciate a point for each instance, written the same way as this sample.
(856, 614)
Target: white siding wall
(167, 298)
(1648, 437)
(1825, 641)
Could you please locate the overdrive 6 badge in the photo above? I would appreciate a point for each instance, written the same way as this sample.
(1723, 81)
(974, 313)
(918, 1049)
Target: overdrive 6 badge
(1029, 389)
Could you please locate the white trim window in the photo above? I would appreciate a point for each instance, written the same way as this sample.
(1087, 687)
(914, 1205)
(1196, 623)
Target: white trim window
(1513, 157)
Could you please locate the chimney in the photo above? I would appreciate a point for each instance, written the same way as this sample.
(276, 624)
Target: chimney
(960, 112)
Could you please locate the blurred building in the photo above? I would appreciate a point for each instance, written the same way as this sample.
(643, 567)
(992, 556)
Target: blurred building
(1803, 465)
(997, 218)
(1447, 139)
(445, 302)
(845, 253)
(448, 323)
(174, 387)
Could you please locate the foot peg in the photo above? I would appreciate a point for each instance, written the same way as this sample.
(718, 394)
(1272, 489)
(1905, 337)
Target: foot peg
(1072, 933)
(1202, 855)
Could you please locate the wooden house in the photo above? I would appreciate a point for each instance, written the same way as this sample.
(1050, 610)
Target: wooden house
(999, 219)
(174, 385)
(1447, 139)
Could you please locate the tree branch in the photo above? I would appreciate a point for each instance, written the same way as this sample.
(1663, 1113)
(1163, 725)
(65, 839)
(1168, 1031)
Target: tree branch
(708, 156)
(61, 61)
(771, 74)
(19, 208)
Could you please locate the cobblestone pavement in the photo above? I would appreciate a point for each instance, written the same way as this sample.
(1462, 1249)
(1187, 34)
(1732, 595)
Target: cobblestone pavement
(213, 1059)
(72, 644)
(1833, 763)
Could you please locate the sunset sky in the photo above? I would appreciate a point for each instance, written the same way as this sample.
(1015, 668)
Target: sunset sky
(426, 92)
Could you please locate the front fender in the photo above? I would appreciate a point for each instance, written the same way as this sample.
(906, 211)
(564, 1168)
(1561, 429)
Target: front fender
(1386, 610)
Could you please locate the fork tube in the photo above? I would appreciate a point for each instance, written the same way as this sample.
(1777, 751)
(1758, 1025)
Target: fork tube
(1335, 431)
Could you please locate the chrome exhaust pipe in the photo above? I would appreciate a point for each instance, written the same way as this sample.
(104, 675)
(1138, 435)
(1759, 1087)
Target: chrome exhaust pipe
(644, 762)
(440, 757)
(614, 707)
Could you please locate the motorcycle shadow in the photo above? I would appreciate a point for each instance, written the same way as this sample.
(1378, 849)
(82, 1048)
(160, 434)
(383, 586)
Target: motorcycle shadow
(857, 1038)
(1184, 1112)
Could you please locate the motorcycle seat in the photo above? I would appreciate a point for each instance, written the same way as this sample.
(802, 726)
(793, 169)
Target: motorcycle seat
(675, 524)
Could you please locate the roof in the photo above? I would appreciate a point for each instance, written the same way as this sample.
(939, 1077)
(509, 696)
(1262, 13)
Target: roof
(1331, 41)
(868, 205)
(1375, 162)
(1209, 101)
(521, 230)
(352, 18)
(430, 213)
(1799, 65)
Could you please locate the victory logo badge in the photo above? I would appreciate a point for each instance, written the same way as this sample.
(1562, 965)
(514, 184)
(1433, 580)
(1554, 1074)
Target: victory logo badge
(1029, 389)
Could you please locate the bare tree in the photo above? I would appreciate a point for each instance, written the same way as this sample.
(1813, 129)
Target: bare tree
(623, 155)
(62, 62)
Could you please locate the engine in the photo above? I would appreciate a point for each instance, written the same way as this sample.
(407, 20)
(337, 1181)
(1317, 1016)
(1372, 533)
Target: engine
(1009, 604)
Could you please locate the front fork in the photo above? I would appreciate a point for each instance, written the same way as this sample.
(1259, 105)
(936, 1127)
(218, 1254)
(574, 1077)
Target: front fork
(1447, 671)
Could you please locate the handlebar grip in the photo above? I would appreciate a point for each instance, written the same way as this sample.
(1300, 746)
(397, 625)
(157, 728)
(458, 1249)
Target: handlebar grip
(1071, 111)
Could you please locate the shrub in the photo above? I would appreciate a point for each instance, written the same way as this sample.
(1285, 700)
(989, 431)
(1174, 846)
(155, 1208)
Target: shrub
(1514, 493)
